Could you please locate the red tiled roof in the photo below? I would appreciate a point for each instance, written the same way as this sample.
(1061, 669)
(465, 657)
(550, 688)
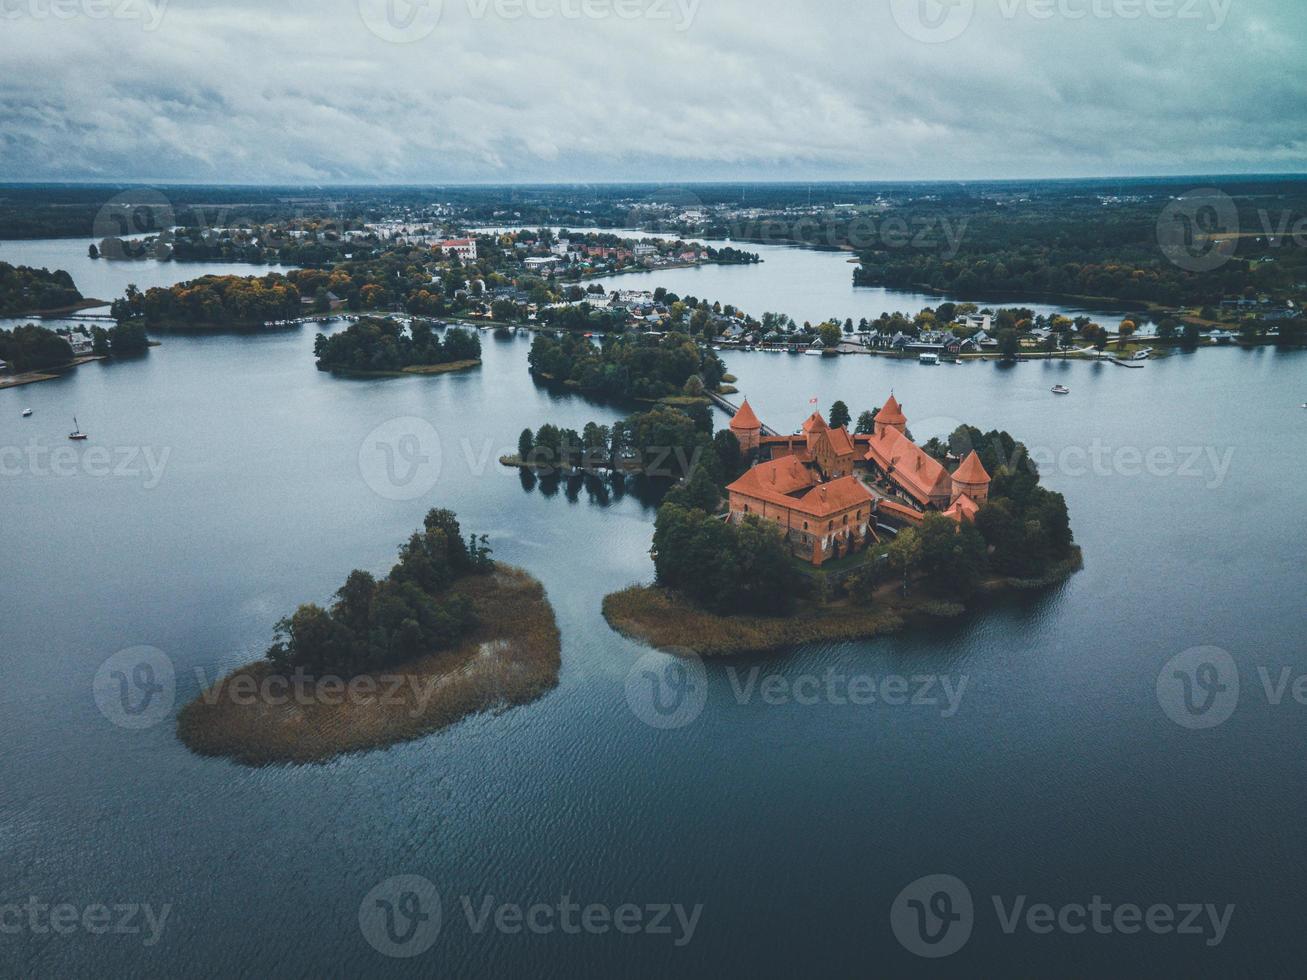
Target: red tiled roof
(745, 419)
(964, 508)
(789, 483)
(972, 470)
(815, 423)
(892, 413)
(840, 441)
(909, 465)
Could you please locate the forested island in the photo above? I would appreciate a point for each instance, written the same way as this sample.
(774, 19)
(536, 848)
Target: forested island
(732, 586)
(27, 290)
(30, 350)
(376, 345)
(631, 367)
(446, 634)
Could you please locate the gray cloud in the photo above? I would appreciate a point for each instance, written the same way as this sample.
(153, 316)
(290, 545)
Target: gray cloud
(302, 91)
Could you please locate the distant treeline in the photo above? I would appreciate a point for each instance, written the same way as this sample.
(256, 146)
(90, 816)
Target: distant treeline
(380, 344)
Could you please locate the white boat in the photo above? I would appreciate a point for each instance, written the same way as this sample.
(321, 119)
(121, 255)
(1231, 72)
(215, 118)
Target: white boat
(813, 353)
(929, 358)
(1061, 390)
(77, 435)
(1142, 354)
(27, 413)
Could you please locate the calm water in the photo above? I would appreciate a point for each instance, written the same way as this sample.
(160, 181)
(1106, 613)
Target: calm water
(1059, 777)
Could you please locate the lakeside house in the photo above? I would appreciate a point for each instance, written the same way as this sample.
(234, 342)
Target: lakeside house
(826, 489)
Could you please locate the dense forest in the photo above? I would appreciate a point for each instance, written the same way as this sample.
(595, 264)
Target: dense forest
(27, 290)
(627, 366)
(373, 624)
(382, 344)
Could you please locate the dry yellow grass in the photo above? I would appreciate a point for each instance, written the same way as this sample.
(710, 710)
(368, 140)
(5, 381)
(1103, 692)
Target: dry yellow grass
(663, 619)
(512, 658)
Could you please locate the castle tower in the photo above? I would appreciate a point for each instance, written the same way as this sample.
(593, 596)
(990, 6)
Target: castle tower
(971, 479)
(813, 428)
(891, 416)
(747, 429)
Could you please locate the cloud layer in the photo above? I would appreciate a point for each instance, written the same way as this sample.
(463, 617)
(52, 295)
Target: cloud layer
(532, 90)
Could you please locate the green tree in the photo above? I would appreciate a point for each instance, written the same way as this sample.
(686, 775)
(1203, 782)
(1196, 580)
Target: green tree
(839, 415)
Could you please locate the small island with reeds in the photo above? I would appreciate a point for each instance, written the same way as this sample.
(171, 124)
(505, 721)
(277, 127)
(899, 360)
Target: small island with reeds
(829, 535)
(448, 633)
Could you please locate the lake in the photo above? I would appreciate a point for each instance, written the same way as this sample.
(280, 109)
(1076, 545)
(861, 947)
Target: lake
(795, 825)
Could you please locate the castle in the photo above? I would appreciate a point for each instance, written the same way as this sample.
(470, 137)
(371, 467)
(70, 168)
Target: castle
(826, 489)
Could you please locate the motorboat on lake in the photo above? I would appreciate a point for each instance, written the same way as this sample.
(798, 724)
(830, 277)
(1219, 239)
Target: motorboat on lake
(1061, 390)
(27, 412)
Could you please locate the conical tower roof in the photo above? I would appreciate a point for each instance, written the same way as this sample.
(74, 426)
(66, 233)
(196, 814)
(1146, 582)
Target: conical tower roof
(972, 470)
(892, 413)
(745, 419)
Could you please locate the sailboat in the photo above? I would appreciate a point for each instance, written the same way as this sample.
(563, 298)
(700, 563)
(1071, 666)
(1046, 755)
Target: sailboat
(77, 435)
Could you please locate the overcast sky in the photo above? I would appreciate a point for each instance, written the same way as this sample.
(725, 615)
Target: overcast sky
(662, 90)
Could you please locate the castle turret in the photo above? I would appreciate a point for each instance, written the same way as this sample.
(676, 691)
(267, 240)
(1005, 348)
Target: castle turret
(747, 428)
(891, 416)
(971, 479)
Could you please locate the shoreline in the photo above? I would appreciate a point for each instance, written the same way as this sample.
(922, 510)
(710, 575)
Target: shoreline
(418, 370)
(661, 619)
(512, 658)
(47, 374)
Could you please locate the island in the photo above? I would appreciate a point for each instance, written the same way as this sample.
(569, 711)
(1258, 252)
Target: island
(24, 290)
(836, 535)
(448, 633)
(382, 347)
